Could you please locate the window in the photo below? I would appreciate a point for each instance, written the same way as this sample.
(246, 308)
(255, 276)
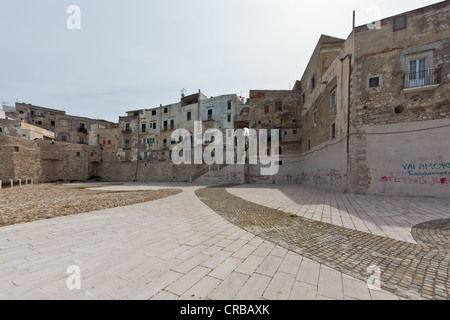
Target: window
(81, 140)
(267, 109)
(16, 149)
(82, 125)
(309, 144)
(278, 106)
(52, 123)
(374, 82)
(164, 143)
(172, 124)
(0, 130)
(229, 118)
(127, 126)
(313, 83)
(210, 114)
(21, 112)
(303, 99)
(189, 116)
(104, 141)
(333, 99)
(127, 144)
(165, 125)
(109, 141)
(315, 117)
(154, 113)
(418, 73)
(92, 153)
(166, 110)
(78, 154)
(64, 138)
(333, 131)
(400, 23)
(154, 126)
(229, 105)
(32, 112)
(144, 128)
(295, 132)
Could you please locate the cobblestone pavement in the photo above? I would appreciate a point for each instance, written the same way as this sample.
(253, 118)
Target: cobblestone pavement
(408, 270)
(433, 234)
(171, 248)
(386, 216)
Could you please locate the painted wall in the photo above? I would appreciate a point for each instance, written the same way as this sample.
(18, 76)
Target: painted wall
(411, 159)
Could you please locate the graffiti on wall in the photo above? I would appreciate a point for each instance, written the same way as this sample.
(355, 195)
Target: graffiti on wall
(434, 173)
(330, 178)
(232, 177)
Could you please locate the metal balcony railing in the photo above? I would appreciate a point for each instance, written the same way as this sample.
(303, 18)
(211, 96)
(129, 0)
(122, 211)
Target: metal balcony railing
(422, 78)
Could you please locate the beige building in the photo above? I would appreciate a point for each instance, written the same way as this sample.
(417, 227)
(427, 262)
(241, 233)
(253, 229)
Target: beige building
(67, 128)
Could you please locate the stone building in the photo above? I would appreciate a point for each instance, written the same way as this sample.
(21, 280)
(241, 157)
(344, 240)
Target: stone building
(67, 128)
(377, 113)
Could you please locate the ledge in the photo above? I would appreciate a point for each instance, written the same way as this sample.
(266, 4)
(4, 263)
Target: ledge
(419, 89)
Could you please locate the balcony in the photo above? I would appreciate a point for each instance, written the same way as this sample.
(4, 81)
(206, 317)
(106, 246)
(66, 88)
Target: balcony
(422, 80)
(82, 130)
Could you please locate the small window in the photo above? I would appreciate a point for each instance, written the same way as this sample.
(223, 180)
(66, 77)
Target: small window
(154, 126)
(16, 149)
(154, 113)
(374, 82)
(303, 99)
(82, 125)
(229, 105)
(189, 116)
(32, 113)
(165, 143)
(333, 99)
(266, 109)
(21, 112)
(210, 114)
(52, 123)
(127, 126)
(400, 23)
(166, 110)
(309, 144)
(127, 144)
(144, 128)
(333, 131)
(172, 124)
(165, 125)
(0, 130)
(104, 141)
(313, 83)
(78, 154)
(64, 138)
(315, 117)
(92, 153)
(295, 132)
(229, 118)
(278, 106)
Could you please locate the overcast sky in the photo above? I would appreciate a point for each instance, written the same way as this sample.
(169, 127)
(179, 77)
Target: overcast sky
(138, 54)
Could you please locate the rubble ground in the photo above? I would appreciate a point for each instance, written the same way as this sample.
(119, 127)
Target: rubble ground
(46, 201)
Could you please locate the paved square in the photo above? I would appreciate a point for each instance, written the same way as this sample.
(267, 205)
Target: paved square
(179, 248)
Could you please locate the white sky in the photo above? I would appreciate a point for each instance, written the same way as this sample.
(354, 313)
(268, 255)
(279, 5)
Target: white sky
(138, 54)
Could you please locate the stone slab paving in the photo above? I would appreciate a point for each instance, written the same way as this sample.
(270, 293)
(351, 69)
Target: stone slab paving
(172, 248)
(392, 217)
(406, 269)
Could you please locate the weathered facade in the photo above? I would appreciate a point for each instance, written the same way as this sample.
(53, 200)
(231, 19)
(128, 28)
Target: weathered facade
(376, 121)
(67, 128)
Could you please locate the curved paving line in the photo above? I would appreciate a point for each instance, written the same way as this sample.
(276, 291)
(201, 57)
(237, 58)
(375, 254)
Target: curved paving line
(407, 270)
(434, 234)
